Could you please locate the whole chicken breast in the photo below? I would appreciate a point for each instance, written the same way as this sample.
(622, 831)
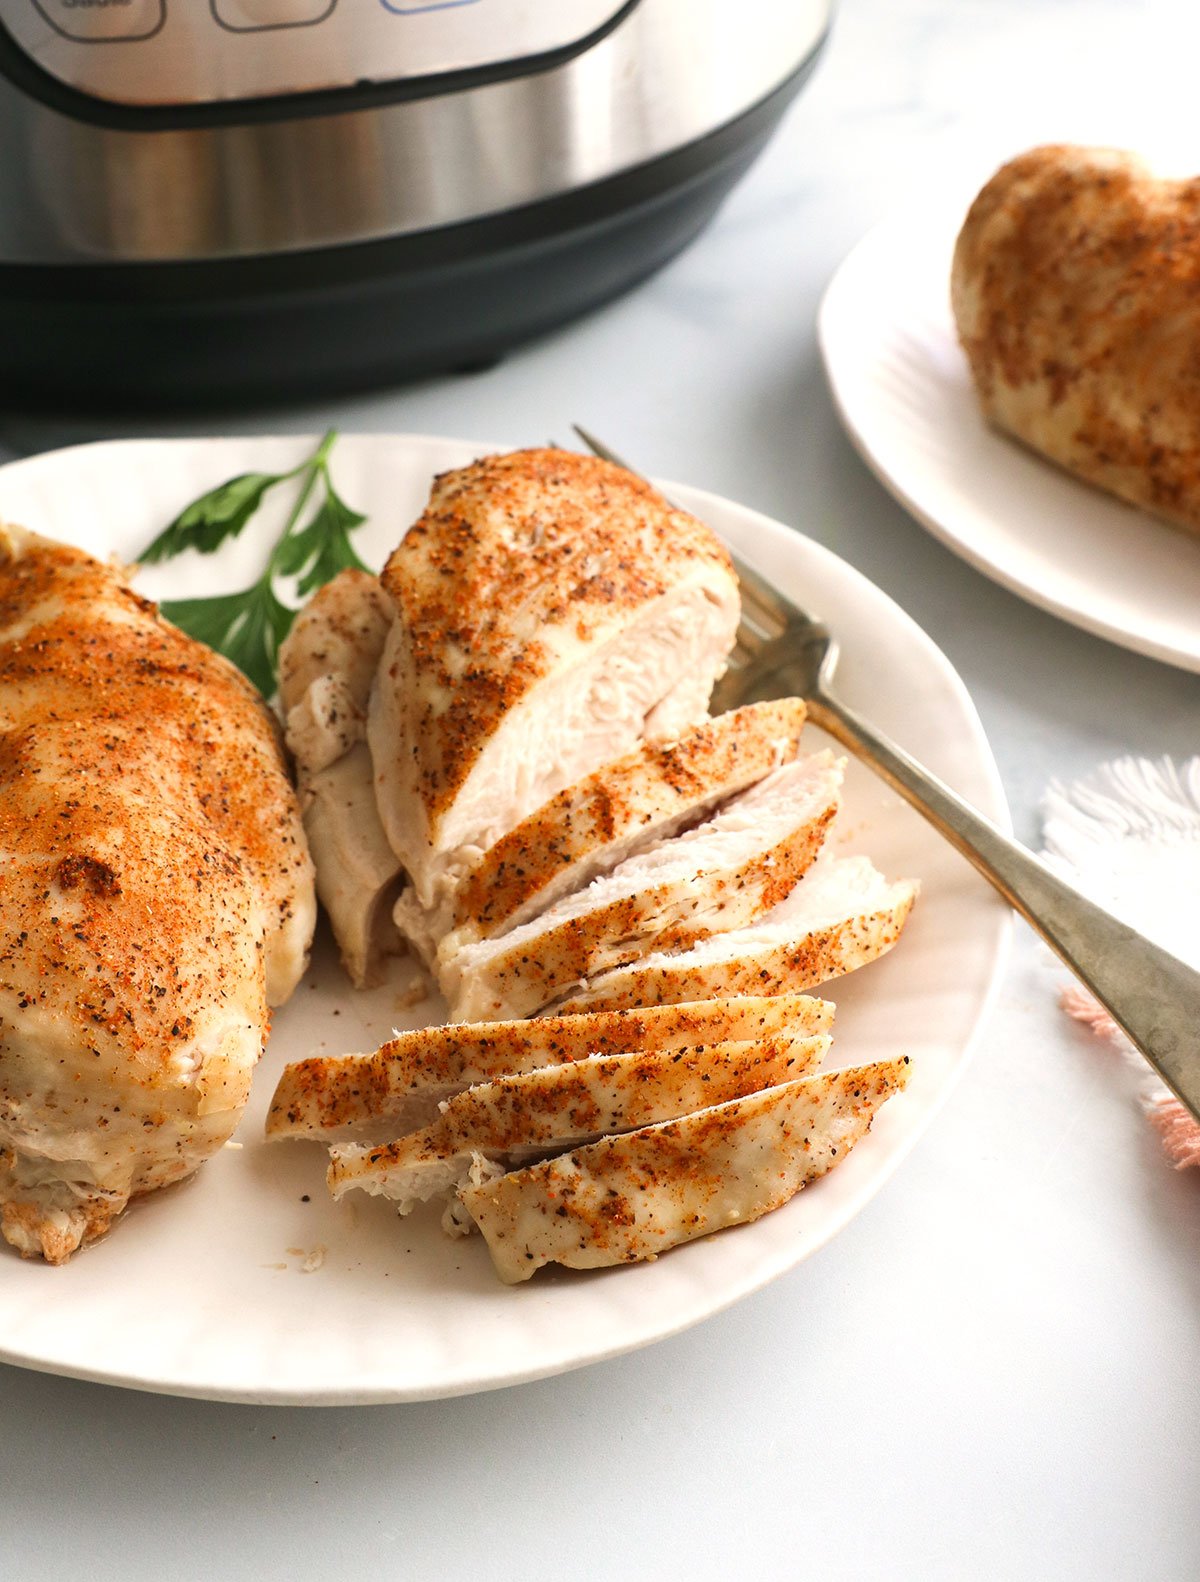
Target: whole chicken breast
(401, 1084)
(559, 1106)
(155, 895)
(842, 915)
(1076, 289)
(723, 874)
(552, 610)
(634, 1196)
(327, 663)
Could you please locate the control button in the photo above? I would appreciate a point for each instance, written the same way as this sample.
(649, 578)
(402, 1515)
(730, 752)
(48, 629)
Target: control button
(407, 7)
(261, 16)
(103, 21)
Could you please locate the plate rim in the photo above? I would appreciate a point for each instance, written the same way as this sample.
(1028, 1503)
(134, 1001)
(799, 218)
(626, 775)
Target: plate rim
(769, 1268)
(1137, 641)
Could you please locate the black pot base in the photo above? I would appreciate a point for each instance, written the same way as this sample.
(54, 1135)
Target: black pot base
(297, 326)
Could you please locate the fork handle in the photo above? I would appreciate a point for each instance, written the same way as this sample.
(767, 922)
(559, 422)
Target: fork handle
(1153, 996)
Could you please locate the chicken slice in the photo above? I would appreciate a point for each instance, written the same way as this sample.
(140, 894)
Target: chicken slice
(617, 811)
(515, 1118)
(723, 874)
(842, 915)
(634, 1196)
(326, 665)
(358, 878)
(340, 632)
(622, 808)
(552, 611)
(402, 1084)
(150, 908)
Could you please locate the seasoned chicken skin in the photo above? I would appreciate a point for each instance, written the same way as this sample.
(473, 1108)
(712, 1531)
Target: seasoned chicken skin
(1076, 289)
(634, 1196)
(155, 895)
(552, 610)
(327, 663)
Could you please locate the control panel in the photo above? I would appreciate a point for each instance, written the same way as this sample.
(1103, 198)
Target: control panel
(210, 52)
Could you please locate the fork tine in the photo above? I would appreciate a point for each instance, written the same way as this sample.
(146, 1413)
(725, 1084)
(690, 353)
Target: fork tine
(599, 448)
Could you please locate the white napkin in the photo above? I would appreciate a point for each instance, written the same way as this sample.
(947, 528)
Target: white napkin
(1129, 837)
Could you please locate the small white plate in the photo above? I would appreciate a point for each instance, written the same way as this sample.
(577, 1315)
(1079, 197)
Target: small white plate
(201, 1291)
(904, 391)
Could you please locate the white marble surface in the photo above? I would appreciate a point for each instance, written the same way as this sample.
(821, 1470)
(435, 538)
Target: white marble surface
(993, 1372)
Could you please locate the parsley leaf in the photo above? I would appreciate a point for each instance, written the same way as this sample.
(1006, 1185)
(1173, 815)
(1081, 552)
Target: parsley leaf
(220, 514)
(248, 626)
(319, 551)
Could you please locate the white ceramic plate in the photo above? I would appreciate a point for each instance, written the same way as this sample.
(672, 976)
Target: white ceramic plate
(201, 1290)
(904, 392)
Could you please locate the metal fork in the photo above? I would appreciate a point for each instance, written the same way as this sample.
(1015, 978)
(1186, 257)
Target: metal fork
(782, 651)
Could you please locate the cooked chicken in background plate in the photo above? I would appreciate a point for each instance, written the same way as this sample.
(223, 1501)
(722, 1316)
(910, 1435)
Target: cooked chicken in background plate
(1075, 290)
(156, 896)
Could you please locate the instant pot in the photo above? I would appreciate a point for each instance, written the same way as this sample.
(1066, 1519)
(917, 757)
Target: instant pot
(209, 199)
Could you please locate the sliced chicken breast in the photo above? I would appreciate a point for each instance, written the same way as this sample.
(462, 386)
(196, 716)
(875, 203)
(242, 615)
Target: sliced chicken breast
(150, 908)
(721, 875)
(559, 1106)
(552, 610)
(622, 808)
(634, 1196)
(587, 829)
(842, 915)
(326, 666)
(402, 1084)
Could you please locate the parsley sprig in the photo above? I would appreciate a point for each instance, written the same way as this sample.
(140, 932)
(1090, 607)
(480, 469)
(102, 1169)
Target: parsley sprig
(248, 626)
